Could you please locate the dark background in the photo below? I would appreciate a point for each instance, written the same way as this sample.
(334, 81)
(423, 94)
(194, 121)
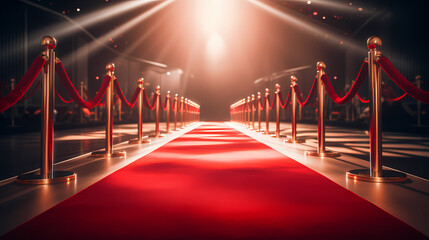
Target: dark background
(256, 43)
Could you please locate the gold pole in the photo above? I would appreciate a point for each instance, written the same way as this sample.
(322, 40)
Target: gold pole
(277, 97)
(267, 111)
(140, 138)
(419, 104)
(186, 112)
(375, 172)
(176, 99)
(167, 122)
(293, 138)
(47, 174)
(248, 112)
(259, 112)
(120, 110)
(181, 113)
(108, 152)
(81, 94)
(96, 111)
(321, 151)
(157, 105)
(253, 112)
(13, 109)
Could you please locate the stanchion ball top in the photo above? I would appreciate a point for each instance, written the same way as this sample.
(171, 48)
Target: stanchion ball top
(293, 79)
(321, 65)
(373, 42)
(141, 80)
(48, 42)
(110, 66)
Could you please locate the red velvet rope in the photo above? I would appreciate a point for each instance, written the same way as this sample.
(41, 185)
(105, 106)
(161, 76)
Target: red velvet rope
(23, 85)
(32, 91)
(361, 99)
(146, 101)
(134, 97)
(272, 103)
(398, 98)
(100, 104)
(62, 99)
(164, 106)
(262, 104)
(311, 95)
(286, 103)
(363, 73)
(71, 90)
(402, 82)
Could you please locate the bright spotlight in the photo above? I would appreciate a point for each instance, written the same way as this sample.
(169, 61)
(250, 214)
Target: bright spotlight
(213, 15)
(215, 46)
(168, 73)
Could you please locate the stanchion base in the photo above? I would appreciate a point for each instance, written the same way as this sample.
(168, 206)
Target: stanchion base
(139, 141)
(324, 154)
(157, 136)
(275, 136)
(386, 176)
(57, 177)
(290, 140)
(105, 154)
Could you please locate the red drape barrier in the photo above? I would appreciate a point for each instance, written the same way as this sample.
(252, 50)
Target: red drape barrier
(32, 91)
(146, 101)
(262, 104)
(361, 99)
(62, 99)
(100, 104)
(164, 106)
(311, 96)
(23, 85)
(398, 98)
(402, 82)
(134, 97)
(272, 103)
(286, 103)
(363, 73)
(71, 90)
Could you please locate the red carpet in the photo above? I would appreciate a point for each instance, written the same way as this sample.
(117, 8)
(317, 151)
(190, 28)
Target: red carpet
(215, 183)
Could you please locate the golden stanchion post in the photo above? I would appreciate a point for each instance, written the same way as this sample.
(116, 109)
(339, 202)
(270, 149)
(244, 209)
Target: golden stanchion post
(299, 112)
(375, 173)
(293, 138)
(185, 101)
(248, 112)
(47, 174)
(277, 100)
(13, 109)
(259, 112)
(267, 112)
(167, 106)
(157, 105)
(321, 151)
(253, 112)
(186, 114)
(81, 94)
(140, 138)
(120, 110)
(176, 99)
(181, 112)
(419, 104)
(96, 110)
(108, 152)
